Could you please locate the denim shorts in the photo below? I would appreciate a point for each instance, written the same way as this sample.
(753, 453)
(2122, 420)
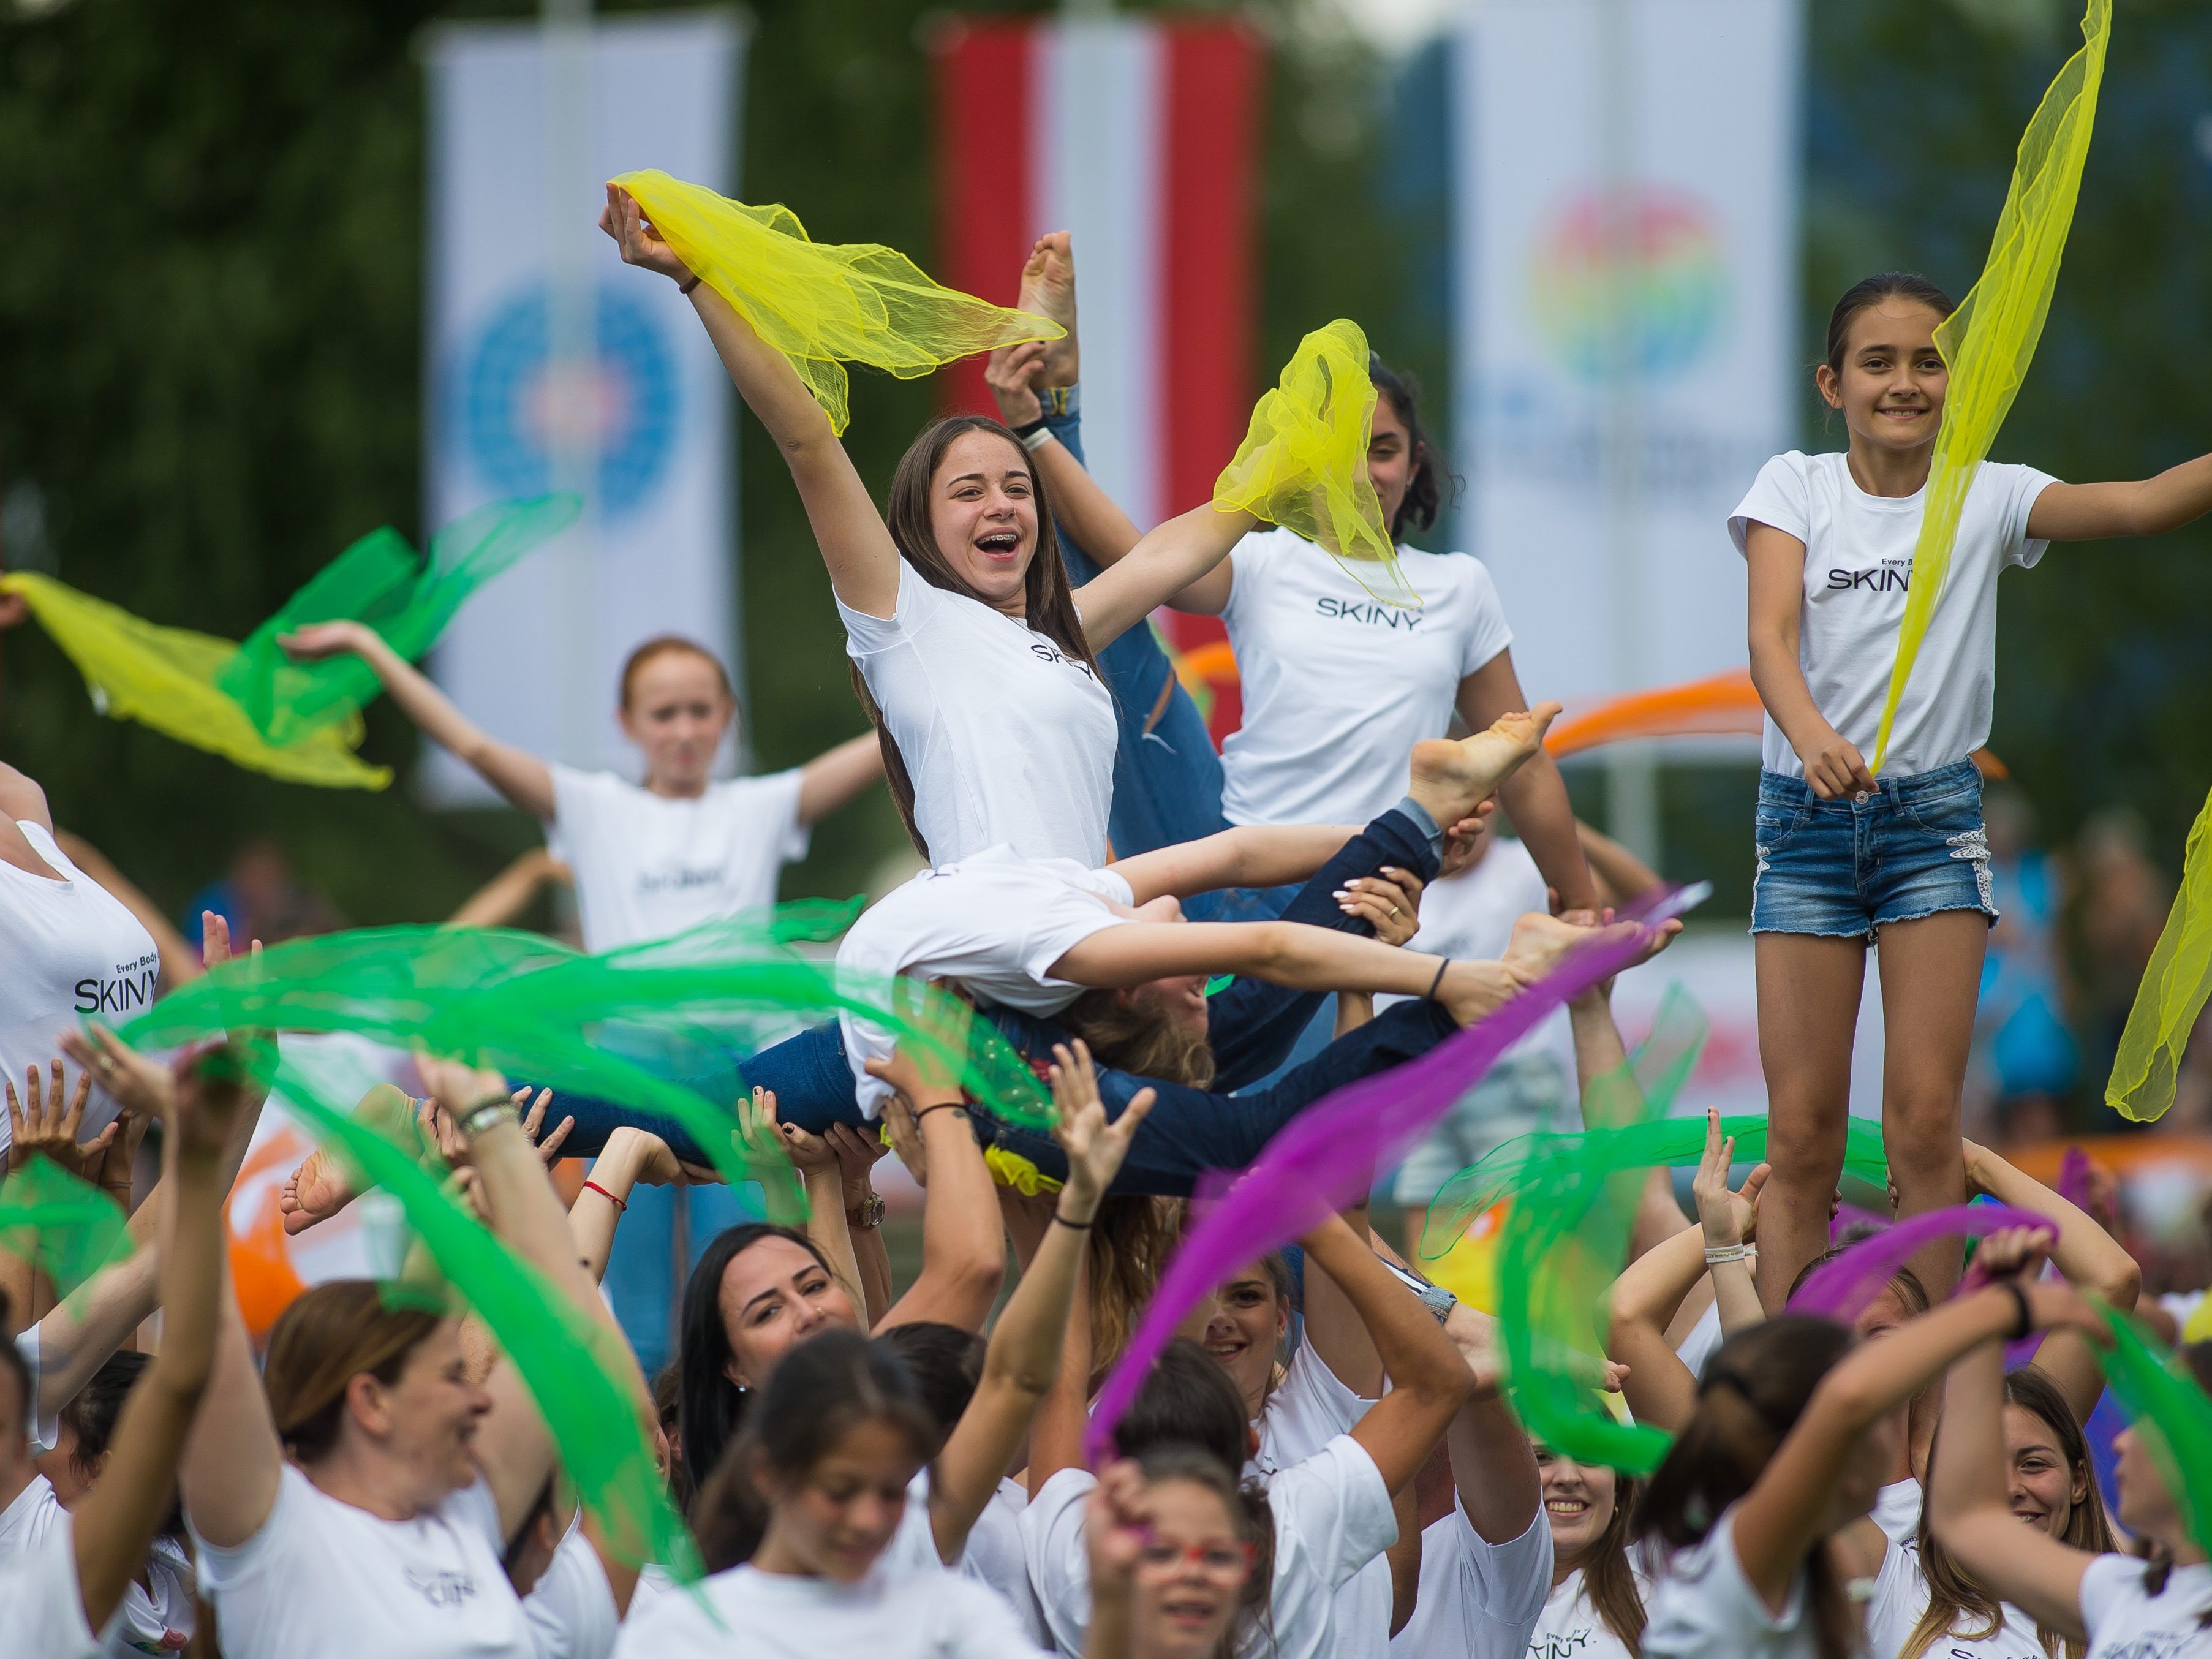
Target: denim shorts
(1841, 869)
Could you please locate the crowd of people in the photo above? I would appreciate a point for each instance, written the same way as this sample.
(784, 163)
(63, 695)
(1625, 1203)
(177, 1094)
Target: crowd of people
(1191, 948)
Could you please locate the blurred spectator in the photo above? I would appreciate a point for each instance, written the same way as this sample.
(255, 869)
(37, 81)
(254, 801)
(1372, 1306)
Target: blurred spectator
(261, 899)
(2025, 1060)
(2119, 901)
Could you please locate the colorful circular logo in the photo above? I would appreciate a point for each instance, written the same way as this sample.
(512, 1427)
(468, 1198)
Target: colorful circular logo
(517, 407)
(1636, 273)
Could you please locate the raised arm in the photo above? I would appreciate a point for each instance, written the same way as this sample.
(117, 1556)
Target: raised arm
(1834, 767)
(521, 777)
(964, 1251)
(1024, 1355)
(115, 1523)
(1786, 1511)
(1429, 1379)
(2146, 507)
(863, 560)
(630, 1158)
(2086, 1254)
(1535, 796)
(509, 893)
(836, 776)
(1167, 560)
(1493, 1465)
(816, 1161)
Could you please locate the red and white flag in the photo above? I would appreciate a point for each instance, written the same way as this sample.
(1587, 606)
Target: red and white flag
(1140, 137)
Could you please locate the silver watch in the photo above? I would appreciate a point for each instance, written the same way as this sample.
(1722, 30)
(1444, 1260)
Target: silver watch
(868, 1214)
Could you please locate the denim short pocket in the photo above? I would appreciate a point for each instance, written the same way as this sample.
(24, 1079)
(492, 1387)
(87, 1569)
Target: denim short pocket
(1955, 812)
(1774, 826)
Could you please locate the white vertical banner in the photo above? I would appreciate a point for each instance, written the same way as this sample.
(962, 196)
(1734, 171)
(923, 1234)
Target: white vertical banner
(1626, 233)
(551, 365)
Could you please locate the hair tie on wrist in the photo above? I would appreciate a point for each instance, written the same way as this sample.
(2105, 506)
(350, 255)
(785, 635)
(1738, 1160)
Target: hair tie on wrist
(2025, 1318)
(685, 286)
(1074, 1226)
(594, 1187)
(1439, 979)
(941, 1106)
(1717, 1253)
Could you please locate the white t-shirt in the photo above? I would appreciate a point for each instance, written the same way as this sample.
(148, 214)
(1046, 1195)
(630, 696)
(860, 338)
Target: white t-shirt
(41, 1605)
(68, 948)
(571, 1608)
(31, 1518)
(1332, 1516)
(142, 1620)
(44, 1427)
(2127, 1622)
(1005, 737)
(322, 1577)
(1307, 1410)
(1702, 1607)
(1337, 687)
(1896, 1510)
(1478, 1600)
(993, 924)
(1470, 916)
(993, 1557)
(1704, 1336)
(1900, 1598)
(886, 1615)
(647, 867)
(1858, 554)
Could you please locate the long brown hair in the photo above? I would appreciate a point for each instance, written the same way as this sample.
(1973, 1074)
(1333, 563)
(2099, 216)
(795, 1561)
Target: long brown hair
(1131, 1240)
(1607, 1578)
(1954, 1600)
(330, 1335)
(1128, 1028)
(1756, 1386)
(1048, 600)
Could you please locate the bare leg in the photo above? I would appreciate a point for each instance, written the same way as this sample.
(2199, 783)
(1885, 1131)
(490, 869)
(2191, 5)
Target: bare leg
(1931, 977)
(1808, 1010)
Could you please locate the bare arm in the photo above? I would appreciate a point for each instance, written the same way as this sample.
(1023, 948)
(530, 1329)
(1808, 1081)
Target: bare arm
(1338, 1334)
(1659, 1387)
(631, 1157)
(22, 799)
(521, 777)
(1833, 768)
(116, 1522)
(2148, 506)
(1430, 1381)
(507, 895)
(862, 560)
(1622, 878)
(2085, 1253)
(1493, 1465)
(1534, 797)
(1025, 1356)
(837, 776)
(1250, 856)
(963, 1252)
(1165, 563)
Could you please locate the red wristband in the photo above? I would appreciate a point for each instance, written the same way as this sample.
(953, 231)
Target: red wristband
(593, 1185)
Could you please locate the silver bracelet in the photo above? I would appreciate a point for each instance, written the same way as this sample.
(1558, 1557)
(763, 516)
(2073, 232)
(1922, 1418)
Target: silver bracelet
(486, 1113)
(1715, 1256)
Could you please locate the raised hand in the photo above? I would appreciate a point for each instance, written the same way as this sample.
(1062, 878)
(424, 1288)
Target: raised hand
(906, 1138)
(549, 1149)
(1728, 1217)
(318, 640)
(2012, 1252)
(857, 1155)
(1094, 1147)
(132, 1081)
(1117, 1528)
(641, 244)
(1011, 373)
(1389, 902)
(40, 1125)
(809, 1154)
(456, 1085)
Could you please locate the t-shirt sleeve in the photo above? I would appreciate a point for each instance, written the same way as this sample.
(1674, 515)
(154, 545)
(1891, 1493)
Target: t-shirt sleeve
(44, 1604)
(290, 1517)
(772, 803)
(572, 1611)
(1245, 560)
(1511, 1581)
(1320, 1404)
(2026, 485)
(1488, 634)
(978, 1623)
(1333, 1514)
(1054, 1549)
(2108, 1584)
(916, 603)
(1779, 497)
(582, 802)
(46, 1414)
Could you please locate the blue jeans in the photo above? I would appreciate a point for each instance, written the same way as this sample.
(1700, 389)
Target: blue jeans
(1845, 868)
(1250, 1024)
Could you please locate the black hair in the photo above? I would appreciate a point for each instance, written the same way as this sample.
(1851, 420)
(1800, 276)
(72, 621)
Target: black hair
(1186, 1400)
(825, 1386)
(90, 1415)
(946, 1362)
(1871, 291)
(1425, 488)
(1755, 1387)
(710, 1409)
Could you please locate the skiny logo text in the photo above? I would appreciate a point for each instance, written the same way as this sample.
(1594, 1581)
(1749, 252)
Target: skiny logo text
(1044, 650)
(130, 986)
(1887, 579)
(1375, 616)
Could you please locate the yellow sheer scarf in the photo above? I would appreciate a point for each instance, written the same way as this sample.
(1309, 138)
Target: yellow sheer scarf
(2172, 993)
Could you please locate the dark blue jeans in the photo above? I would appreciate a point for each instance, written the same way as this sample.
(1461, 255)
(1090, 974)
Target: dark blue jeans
(1250, 1024)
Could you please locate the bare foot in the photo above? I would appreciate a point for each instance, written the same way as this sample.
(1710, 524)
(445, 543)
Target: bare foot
(1048, 290)
(314, 1192)
(1450, 780)
(1541, 943)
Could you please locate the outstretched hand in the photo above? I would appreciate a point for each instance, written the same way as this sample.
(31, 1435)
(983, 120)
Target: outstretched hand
(1094, 1147)
(641, 244)
(1012, 374)
(1728, 1217)
(40, 1125)
(316, 642)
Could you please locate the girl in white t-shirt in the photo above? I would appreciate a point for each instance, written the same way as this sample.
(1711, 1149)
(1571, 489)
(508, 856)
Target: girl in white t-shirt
(2100, 1605)
(1845, 859)
(1335, 685)
(974, 658)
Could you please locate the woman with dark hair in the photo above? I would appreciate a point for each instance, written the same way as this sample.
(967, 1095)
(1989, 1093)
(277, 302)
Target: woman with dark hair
(1337, 684)
(1846, 859)
(1796, 1426)
(971, 653)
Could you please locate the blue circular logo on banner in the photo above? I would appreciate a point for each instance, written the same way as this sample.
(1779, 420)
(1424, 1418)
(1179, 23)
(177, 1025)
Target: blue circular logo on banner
(514, 404)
